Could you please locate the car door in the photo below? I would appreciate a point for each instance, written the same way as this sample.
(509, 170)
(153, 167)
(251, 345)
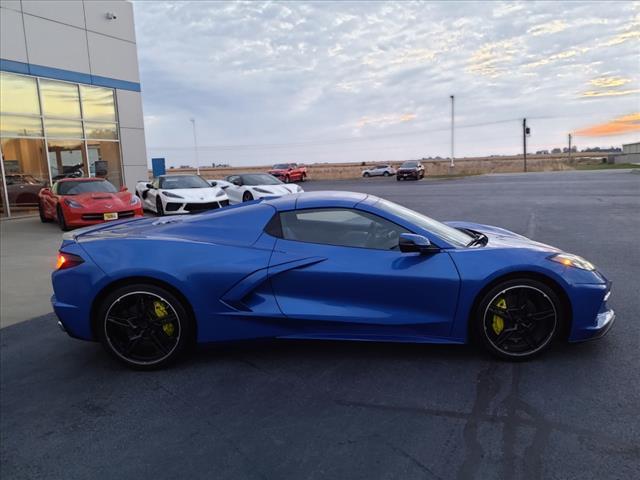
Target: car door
(152, 194)
(353, 280)
(234, 192)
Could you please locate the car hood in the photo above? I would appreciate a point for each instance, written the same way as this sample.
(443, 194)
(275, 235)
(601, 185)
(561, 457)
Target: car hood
(102, 200)
(276, 189)
(195, 194)
(502, 238)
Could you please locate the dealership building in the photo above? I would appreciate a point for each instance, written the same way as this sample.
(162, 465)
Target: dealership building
(70, 101)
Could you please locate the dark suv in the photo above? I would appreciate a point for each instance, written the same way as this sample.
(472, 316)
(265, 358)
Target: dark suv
(410, 169)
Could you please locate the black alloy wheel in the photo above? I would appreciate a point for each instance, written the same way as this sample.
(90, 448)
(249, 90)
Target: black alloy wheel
(518, 319)
(61, 220)
(386, 174)
(144, 326)
(159, 209)
(247, 197)
(366, 174)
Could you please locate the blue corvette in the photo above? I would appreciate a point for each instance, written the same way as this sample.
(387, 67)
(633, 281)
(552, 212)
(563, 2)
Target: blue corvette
(324, 265)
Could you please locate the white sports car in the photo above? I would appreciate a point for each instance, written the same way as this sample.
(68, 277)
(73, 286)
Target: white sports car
(168, 194)
(245, 187)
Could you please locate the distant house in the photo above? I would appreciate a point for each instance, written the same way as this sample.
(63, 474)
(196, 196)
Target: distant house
(630, 153)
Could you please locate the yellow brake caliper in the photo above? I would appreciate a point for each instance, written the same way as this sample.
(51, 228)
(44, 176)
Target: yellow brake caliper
(498, 322)
(160, 310)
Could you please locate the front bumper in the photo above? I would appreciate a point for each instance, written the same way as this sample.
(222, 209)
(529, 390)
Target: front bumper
(193, 207)
(592, 316)
(86, 219)
(408, 174)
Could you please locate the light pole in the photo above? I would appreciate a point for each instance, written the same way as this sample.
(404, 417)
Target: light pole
(195, 144)
(452, 164)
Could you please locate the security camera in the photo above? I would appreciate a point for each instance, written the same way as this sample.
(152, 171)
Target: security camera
(111, 16)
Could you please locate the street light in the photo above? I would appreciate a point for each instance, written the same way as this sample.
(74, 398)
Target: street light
(452, 164)
(195, 144)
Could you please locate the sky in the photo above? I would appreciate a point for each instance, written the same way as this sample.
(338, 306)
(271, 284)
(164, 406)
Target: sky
(348, 81)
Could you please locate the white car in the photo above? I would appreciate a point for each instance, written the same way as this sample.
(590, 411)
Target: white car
(379, 170)
(245, 187)
(171, 194)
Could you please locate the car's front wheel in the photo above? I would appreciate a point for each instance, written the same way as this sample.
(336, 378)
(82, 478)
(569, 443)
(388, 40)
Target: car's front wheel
(247, 197)
(518, 319)
(144, 326)
(62, 222)
(159, 208)
(386, 174)
(43, 217)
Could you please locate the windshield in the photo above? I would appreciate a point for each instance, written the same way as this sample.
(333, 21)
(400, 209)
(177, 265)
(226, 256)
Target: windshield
(90, 186)
(260, 179)
(183, 181)
(449, 234)
(409, 165)
(281, 166)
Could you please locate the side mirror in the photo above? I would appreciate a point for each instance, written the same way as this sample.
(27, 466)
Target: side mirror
(410, 242)
(123, 188)
(237, 182)
(213, 183)
(148, 185)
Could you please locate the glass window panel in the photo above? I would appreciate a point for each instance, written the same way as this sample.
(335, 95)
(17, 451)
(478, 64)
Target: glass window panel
(98, 103)
(67, 158)
(17, 126)
(105, 131)
(104, 161)
(63, 128)
(18, 94)
(60, 99)
(25, 169)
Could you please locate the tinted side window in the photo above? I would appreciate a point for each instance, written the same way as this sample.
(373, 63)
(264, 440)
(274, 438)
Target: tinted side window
(341, 227)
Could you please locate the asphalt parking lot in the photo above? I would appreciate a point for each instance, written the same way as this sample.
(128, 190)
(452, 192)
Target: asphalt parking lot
(357, 411)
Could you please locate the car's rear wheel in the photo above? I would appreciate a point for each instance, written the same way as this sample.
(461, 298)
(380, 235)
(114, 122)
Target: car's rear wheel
(62, 222)
(159, 209)
(43, 217)
(144, 326)
(247, 197)
(518, 319)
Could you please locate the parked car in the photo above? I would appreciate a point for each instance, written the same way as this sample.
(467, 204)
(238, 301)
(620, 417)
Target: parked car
(245, 187)
(321, 265)
(176, 194)
(78, 202)
(289, 172)
(23, 190)
(410, 169)
(379, 170)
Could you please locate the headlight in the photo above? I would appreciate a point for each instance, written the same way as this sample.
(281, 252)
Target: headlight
(72, 203)
(220, 193)
(134, 200)
(570, 260)
(261, 190)
(171, 195)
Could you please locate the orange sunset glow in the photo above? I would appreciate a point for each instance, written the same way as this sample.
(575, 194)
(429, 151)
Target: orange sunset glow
(624, 124)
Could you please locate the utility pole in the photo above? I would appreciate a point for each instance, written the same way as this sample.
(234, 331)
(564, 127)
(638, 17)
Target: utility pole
(569, 148)
(195, 145)
(525, 131)
(452, 164)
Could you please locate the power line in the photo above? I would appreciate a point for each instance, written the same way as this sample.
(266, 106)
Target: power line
(335, 141)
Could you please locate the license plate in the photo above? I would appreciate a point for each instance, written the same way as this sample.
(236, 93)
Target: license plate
(111, 216)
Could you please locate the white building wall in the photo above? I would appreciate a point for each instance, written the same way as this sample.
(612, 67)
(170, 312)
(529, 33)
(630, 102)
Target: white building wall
(77, 36)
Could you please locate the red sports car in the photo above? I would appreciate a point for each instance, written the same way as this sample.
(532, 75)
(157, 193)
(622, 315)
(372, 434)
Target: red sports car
(78, 202)
(289, 172)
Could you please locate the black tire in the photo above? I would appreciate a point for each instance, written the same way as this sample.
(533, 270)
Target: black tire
(144, 326)
(62, 222)
(43, 218)
(247, 196)
(518, 319)
(386, 174)
(366, 175)
(159, 209)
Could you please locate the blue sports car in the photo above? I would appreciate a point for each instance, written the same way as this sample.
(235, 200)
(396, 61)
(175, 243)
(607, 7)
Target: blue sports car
(323, 265)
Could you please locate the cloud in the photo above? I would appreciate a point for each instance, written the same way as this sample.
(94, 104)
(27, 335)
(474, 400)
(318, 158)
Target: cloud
(554, 26)
(609, 93)
(385, 120)
(608, 82)
(617, 126)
